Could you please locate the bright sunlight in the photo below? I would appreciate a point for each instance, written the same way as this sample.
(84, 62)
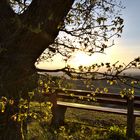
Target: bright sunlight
(80, 58)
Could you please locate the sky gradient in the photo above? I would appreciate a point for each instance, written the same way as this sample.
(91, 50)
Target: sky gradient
(125, 49)
(130, 40)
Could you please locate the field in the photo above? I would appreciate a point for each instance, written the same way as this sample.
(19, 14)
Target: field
(79, 125)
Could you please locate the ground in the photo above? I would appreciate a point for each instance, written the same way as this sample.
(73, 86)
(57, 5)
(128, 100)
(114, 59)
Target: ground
(79, 125)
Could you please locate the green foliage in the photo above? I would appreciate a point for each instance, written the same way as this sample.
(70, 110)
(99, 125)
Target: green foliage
(75, 130)
(3, 102)
(116, 133)
(48, 84)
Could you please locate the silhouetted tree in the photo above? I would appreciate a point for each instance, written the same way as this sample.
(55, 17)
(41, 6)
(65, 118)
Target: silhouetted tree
(26, 30)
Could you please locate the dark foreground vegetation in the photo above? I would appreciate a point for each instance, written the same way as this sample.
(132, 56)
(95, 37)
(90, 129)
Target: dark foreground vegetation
(80, 125)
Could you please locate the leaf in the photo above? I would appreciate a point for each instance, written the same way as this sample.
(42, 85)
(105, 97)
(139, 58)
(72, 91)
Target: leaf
(31, 94)
(106, 90)
(2, 107)
(137, 59)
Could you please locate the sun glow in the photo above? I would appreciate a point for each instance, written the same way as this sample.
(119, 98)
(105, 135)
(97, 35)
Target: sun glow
(80, 58)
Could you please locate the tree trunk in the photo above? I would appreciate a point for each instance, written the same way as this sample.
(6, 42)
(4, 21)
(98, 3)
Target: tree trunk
(22, 40)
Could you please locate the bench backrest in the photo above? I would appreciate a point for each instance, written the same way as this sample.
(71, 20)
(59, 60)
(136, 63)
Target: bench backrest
(90, 97)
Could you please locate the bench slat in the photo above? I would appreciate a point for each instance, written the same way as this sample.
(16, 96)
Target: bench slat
(97, 108)
(84, 93)
(100, 99)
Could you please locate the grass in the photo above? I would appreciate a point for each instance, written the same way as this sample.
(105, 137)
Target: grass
(80, 125)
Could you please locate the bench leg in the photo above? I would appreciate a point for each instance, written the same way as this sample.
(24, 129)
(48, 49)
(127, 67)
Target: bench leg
(130, 119)
(131, 127)
(58, 113)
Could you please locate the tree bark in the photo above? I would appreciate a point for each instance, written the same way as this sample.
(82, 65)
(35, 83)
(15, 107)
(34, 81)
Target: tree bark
(22, 40)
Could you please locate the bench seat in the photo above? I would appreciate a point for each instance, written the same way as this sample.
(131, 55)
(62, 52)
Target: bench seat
(97, 108)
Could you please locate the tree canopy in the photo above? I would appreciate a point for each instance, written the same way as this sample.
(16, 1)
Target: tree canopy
(28, 27)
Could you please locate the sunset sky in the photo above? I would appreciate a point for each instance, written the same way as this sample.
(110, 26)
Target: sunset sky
(128, 45)
(126, 48)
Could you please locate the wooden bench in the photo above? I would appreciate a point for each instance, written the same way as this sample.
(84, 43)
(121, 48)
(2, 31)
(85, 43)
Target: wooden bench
(107, 102)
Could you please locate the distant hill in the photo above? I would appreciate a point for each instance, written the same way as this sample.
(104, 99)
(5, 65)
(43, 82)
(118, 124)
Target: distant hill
(80, 84)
